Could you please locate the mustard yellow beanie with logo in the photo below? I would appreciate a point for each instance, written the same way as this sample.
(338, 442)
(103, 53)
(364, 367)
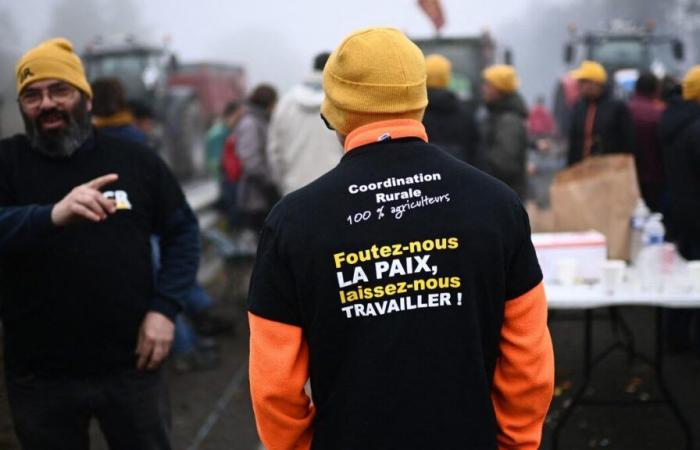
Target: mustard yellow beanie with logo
(691, 84)
(375, 74)
(439, 71)
(52, 59)
(502, 77)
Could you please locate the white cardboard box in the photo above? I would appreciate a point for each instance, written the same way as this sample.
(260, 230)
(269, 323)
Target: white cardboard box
(588, 249)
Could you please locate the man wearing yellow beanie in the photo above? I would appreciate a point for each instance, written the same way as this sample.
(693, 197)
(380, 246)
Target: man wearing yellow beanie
(600, 124)
(447, 121)
(85, 328)
(503, 132)
(403, 284)
(52, 66)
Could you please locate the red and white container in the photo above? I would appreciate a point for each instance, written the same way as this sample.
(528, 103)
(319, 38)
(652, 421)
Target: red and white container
(588, 250)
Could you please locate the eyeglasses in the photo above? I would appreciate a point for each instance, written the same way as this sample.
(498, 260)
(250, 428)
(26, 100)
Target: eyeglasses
(58, 92)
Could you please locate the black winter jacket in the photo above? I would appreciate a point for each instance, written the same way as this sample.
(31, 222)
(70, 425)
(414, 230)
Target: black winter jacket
(504, 136)
(679, 131)
(74, 297)
(613, 131)
(450, 125)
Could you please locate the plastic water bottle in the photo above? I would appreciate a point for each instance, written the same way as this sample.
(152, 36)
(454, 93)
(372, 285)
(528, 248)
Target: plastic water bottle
(653, 232)
(651, 256)
(637, 221)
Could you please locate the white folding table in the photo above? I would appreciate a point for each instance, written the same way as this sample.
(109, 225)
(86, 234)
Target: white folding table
(590, 297)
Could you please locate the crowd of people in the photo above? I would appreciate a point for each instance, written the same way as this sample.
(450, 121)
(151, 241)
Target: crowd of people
(263, 149)
(362, 186)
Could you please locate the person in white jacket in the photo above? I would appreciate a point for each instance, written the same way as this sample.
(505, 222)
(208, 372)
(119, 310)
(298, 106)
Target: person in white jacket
(299, 147)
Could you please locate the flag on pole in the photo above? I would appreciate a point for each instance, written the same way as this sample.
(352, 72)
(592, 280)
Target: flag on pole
(433, 9)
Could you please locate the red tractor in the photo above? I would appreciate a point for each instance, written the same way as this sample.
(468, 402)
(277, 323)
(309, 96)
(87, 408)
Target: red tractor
(185, 98)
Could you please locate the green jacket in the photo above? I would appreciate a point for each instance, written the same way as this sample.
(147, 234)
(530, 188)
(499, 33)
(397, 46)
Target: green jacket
(216, 137)
(504, 138)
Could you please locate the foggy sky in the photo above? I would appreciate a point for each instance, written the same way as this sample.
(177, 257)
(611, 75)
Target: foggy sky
(274, 39)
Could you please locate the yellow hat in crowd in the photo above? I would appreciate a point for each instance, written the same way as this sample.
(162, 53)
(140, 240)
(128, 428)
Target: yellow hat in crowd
(375, 74)
(691, 84)
(52, 59)
(439, 71)
(591, 71)
(502, 77)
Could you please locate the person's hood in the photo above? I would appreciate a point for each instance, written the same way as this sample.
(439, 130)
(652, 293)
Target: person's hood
(442, 101)
(309, 94)
(678, 115)
(513, 103)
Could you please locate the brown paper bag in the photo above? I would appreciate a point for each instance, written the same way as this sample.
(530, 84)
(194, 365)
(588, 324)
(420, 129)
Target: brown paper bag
(599, 193)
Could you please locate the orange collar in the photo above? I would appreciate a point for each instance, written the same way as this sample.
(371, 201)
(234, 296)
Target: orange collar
(384, 131)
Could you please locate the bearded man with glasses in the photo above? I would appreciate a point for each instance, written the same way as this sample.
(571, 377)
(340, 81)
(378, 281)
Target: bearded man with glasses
(86, 326)
(55, 117)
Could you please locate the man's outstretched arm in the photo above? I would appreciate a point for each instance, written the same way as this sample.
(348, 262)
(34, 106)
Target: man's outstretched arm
(23, 225)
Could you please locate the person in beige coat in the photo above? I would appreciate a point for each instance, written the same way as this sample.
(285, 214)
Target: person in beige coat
(299, 147)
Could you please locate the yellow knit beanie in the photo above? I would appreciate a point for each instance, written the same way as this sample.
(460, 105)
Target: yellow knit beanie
(591, 71)
(502, 77)
(52, 59)
(439, 71)
(691, 84)
(375, 74)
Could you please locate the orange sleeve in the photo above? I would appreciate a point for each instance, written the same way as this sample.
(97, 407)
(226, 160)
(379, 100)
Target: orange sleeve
(523, 381)
(279, 368)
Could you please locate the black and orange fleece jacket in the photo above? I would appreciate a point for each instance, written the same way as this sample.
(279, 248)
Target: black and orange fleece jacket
(405, 286)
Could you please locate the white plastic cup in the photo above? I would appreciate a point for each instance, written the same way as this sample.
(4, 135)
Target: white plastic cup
(566, 271)
(694, 275)
(613, 275)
